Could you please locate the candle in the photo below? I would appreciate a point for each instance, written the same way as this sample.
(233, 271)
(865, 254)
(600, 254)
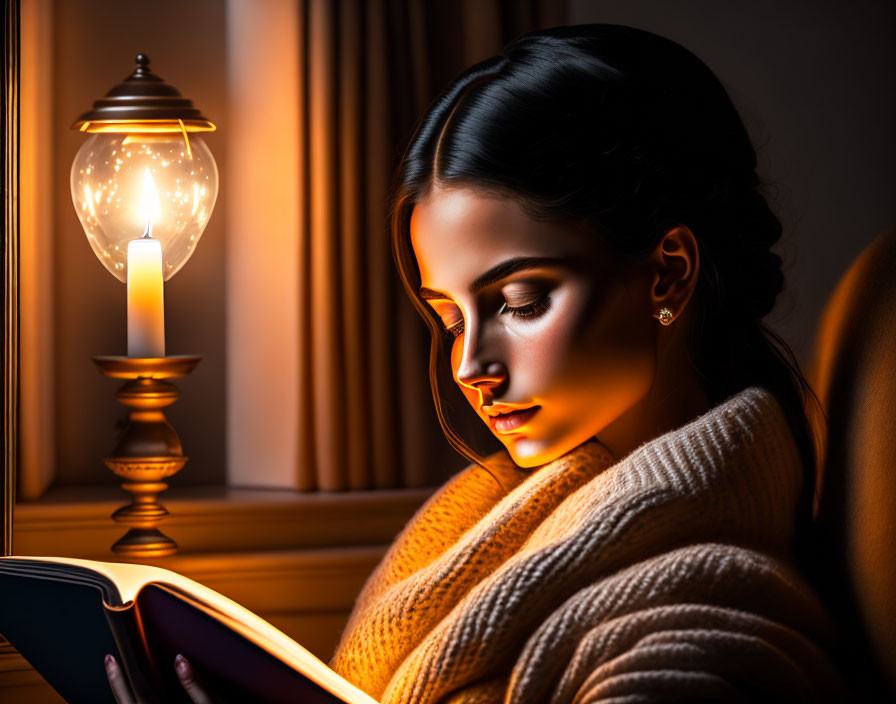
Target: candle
(146, 310)
(146, 306)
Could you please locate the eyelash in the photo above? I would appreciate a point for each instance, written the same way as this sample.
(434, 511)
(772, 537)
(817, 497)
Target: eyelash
(526, 312)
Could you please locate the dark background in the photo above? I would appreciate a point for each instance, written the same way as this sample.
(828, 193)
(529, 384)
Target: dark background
(815, 83)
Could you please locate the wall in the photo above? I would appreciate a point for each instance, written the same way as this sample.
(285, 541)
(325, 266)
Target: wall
(813, 81)
(95, 44)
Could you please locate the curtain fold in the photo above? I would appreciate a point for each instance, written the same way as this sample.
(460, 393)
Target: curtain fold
(369, 68)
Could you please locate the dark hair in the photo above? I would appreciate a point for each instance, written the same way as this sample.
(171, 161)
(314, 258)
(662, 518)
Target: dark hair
(631, 134)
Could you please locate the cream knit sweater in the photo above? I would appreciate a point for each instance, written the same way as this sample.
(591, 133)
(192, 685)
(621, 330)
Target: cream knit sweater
(661, 577)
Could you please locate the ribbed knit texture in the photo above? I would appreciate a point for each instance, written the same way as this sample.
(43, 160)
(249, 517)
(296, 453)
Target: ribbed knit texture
(661, 577)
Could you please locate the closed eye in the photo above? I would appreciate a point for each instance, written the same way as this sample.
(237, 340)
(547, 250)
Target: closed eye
(530, 311)
(454, 329)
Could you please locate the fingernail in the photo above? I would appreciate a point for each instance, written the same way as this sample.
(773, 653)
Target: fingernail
(180, 662)
(109, 660)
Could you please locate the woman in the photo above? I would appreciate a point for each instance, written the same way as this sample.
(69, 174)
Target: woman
(577, 220)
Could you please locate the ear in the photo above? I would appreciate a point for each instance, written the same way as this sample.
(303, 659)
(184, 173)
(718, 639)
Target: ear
(676, 263)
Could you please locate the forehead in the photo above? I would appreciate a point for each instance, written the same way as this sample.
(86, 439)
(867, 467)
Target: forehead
(457, 233)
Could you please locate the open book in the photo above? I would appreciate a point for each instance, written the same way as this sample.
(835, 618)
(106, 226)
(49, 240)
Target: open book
(64, 614)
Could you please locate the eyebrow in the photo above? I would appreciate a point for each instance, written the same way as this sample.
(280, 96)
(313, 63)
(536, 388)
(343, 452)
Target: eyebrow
(500, 271)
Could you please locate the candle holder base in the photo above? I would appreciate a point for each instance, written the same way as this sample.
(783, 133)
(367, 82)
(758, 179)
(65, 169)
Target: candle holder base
(148, 449)
(142, 543)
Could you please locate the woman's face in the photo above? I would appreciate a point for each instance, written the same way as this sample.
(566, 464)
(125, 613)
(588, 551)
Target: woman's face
(547, 323)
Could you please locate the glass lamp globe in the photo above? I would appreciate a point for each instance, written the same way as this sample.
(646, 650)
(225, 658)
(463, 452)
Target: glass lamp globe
(144, 171)
(125, 185)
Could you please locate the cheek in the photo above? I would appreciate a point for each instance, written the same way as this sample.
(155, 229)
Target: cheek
(596, 357)
(457, 350)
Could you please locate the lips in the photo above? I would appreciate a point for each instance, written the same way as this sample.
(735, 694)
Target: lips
(508, 422)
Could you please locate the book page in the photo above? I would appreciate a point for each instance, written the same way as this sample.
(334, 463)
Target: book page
(130, 578)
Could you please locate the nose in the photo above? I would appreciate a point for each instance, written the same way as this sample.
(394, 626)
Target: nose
(478, 372)
(479, 368)
(475, 375)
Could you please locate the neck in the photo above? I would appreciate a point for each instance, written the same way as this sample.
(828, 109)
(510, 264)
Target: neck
(674, 399)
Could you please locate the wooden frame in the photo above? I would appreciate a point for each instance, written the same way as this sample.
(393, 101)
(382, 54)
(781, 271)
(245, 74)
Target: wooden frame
(10, 239)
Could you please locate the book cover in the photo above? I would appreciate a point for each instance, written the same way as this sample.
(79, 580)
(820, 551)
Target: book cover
(64, 614)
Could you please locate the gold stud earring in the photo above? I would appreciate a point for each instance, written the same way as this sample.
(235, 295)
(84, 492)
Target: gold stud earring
(665, 316)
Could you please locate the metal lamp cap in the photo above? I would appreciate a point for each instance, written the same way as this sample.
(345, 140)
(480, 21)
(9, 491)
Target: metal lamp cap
(143, 102)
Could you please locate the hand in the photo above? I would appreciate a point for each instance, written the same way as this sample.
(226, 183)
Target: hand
(181, 667)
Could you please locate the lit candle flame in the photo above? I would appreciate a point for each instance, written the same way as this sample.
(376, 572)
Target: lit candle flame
(150, 206)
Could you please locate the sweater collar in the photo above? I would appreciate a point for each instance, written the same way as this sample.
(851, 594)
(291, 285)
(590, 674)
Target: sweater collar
(738, 463)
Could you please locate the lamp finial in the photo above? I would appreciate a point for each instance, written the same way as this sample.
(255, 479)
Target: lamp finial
(142, 61)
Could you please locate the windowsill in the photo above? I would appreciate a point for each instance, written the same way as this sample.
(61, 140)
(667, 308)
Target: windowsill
(74, 521)
(298, 560)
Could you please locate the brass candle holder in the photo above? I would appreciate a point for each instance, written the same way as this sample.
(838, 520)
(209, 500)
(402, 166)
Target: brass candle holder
(148, 449)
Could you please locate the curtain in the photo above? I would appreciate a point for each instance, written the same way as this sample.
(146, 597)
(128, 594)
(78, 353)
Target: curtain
(368, 69)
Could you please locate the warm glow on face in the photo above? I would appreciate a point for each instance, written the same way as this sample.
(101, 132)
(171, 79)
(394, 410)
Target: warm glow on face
(150, 207)
(573, 335)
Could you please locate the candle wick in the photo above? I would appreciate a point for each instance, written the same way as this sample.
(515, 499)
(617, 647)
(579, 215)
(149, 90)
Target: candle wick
(148, 231)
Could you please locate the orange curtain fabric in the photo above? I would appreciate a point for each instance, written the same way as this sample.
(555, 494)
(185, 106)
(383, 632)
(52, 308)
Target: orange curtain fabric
(368, 69)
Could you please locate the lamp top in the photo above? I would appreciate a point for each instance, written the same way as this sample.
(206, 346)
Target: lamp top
(143, 102)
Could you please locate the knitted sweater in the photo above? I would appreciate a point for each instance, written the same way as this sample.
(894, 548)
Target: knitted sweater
(661, 577)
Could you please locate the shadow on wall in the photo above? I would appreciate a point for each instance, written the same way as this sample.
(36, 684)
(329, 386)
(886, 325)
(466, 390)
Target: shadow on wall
(813, 82)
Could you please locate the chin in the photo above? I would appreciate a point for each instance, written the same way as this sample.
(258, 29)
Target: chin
(532, 452)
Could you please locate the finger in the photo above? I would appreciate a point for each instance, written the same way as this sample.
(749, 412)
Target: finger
(188, 680)
(117, 682)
